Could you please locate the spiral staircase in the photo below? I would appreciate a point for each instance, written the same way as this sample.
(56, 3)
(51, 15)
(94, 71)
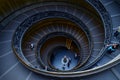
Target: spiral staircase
(35, 35)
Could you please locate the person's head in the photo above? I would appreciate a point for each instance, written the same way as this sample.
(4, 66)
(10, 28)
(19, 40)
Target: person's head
(115, 45)
(107, 45)
(118, 28)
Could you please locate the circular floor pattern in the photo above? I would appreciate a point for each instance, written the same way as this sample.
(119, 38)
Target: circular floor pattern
(57, 59)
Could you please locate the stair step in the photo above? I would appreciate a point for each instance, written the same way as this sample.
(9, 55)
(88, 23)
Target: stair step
(116, 73)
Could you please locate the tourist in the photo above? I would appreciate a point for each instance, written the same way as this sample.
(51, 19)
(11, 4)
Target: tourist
(64, 61)
(68, 64)
(112, 47)
(117, 33)
(63, 67)
(76, 55)
(32, 46)
(46, 68)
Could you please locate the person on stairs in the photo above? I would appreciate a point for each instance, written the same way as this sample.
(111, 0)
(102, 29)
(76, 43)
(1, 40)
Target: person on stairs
(31, 46)
(112, 47)
(117, 33)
